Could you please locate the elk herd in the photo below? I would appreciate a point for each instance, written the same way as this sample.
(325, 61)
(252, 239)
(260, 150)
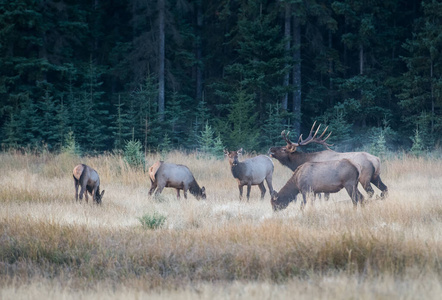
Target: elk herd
(314, 173)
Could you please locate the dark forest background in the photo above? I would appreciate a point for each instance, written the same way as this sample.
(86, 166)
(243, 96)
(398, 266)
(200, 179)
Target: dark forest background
(193, 74)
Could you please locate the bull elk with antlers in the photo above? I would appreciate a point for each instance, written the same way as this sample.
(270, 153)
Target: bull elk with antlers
(289, 157)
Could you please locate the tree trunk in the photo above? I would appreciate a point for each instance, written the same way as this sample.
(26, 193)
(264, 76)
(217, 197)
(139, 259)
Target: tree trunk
(361, 59)
(432, 97)
(330, 70)
(199, 51)
(297, 74)
(161, 58)
(287, 36)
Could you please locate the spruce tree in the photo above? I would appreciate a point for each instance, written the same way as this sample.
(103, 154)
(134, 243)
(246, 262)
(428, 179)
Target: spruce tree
(242, 131)
(122, 130)
(46, 121)
(422, 83)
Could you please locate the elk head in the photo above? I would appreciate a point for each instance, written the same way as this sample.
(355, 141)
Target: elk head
(203, 193)
(233, 156)
(312, 138)
(99, 197)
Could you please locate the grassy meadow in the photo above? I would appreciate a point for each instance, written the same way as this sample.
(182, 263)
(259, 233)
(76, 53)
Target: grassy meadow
(52, 247)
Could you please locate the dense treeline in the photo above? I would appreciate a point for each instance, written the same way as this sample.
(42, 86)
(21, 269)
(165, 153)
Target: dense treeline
(187, 73)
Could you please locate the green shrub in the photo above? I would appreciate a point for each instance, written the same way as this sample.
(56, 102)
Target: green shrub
(134, 155)
(70, 145)
(417, 149)
(152, 221)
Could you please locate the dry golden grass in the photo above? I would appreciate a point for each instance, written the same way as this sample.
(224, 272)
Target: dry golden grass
(52, 247)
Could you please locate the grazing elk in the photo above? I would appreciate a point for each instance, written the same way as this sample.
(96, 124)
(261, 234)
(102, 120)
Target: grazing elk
(252, 171)
(319, 177)
(90, 182)
(370, 164)
(175, 176)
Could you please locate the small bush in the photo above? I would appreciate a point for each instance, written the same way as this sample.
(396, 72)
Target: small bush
(210, 145)
(418, 146)
(152, 221)
(133, 154)
(70, 145)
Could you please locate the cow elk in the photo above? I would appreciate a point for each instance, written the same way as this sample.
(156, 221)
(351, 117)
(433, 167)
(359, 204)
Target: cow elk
(370, 164)
(88, 179)
(319, 177)
(164, 174)
(252, 171)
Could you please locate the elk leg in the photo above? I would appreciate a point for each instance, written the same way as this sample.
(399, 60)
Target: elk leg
(152, 187)
(94, 195)
(367, 187)
(351, 190)
(380, 185)
(185, 193)
(304, 201)
(83, 192)
(269, 183)
(326, 196)
(178, 194)
(76, 184)
(159, 190)
(249, 187)
(240, 186)
(263, 189)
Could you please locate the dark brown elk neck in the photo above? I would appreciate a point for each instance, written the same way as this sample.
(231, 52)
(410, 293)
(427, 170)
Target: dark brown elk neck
(238, 170)
(194, 188)
(298, 158)
(290, 189)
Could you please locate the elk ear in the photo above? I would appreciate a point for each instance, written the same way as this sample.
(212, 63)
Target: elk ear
(291, 148)
(274, 195)
(240, 151)
(226, 152)
(102, 193)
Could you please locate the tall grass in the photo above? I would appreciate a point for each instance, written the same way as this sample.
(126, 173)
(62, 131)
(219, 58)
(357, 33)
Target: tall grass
(221, 244)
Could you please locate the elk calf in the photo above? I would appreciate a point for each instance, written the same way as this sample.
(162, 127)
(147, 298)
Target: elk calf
(90, 182)
(319, 177)
(252, 171)
(175, 176)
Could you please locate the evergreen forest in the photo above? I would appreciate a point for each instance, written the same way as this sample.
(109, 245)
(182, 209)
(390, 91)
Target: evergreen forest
(203, 75)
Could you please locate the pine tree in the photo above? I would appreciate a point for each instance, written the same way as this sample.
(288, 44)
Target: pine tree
(93, 132)
(201, 115)
(422, 83)
(242, 131)
(417, 148)
(175, 118)
(274, 124)
(121, 129)
(20, 129)
(206, 141)
(134, 155)
(46, 121)
(146, 125)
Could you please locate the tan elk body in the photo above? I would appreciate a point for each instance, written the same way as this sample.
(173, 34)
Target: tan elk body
(88, 179)
(319, 177)
(252, 171)
(164, 174)
(370, 164)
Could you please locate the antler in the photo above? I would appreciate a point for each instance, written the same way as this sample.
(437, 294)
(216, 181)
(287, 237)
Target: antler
(290, 145)
(313, 139)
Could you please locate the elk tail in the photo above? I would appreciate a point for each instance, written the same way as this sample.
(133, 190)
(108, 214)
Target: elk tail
(83, 169)
(78, 172)
(153, 170)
